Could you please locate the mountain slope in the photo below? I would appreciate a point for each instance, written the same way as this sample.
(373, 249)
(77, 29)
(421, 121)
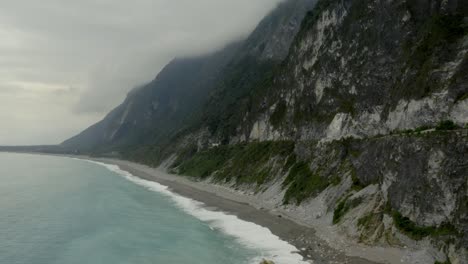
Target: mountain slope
(151, 116)
(261, 55)
(362, 127)
(353, 121)
(363, 68)
(156, 110)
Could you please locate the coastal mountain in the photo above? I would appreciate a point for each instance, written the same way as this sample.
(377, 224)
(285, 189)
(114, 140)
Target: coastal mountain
(346, 113)
(361, 69)
(174, 101)
(159, 109)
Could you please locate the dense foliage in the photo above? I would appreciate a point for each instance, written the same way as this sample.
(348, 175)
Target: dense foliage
(241, 163)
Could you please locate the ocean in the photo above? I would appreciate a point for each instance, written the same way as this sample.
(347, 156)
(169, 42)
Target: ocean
(58, 210)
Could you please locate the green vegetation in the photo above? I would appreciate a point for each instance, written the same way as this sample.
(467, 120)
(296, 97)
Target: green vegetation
(416, 131)
(151, 155)
(462, 97)
(256, 163)
(185, 154)
(340, 210)
(313, 15)
(434, 41)
(371, 227)
(205, 163)
(416, 232)
(302, 183)
(422, 128)
(246, 163)
(240, 91)
(365, 220)
(299, 115)
(346, 103)
(358, 11)
(410, 228)
(290, 162)
(357, 184)
(348, 106)
(446, 125)
(445, 262)
(278, 115)
(344, 206)
(370, 219)
(251, 163)
(440, 30)
(335, 180)
(441, 126)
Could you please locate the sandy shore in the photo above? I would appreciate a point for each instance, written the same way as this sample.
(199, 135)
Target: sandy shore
(304, 238)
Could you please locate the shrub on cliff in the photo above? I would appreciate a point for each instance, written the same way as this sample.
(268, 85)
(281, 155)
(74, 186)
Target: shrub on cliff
(446, 125)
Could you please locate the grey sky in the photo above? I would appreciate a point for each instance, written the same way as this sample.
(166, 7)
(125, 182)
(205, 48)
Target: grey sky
(64, 64)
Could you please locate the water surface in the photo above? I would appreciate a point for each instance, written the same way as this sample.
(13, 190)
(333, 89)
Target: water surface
(65, 211)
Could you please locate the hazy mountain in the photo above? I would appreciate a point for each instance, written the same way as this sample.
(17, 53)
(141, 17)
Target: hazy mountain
(354, 114)
(160, 108)
(174, 100)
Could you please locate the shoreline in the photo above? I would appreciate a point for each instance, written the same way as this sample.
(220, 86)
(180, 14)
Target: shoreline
(316, 242)
(304, 238)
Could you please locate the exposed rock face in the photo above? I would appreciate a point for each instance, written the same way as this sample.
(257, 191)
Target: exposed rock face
(404, 191)
(152, 112)
(340, 86)
(173, 102)
(362, 68)
(274, 35)
(422, 177)
(408, 169)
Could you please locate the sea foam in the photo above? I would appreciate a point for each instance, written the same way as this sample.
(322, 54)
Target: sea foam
(246, 233)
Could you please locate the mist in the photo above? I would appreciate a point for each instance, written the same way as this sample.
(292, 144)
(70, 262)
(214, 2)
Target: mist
(65, 64)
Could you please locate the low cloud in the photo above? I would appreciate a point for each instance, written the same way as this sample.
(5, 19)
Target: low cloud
(64, 64)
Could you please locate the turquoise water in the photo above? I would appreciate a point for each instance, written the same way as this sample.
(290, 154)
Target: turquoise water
(66, 211)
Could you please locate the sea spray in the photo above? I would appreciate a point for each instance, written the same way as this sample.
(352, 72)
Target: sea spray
(246, 233)
(56, 210)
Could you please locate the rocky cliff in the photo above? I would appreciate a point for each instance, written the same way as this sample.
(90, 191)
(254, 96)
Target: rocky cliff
(188, 90)
(161, 108)
(352, 124)
(352, 116)
(405, 191)
(363, 68)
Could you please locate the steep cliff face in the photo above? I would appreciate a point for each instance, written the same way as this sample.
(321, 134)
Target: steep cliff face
(274, 35)
(173, 102)
(362, 68)
(407, 191)
(353, 119)
(256, 62)
(161, 108)
(352, 129)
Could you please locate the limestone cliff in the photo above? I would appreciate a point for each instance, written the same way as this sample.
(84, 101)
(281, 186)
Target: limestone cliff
(373, 96)
(354, 119)
(363, 68)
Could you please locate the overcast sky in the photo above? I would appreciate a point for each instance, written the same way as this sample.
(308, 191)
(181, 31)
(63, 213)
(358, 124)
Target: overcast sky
(64, 64)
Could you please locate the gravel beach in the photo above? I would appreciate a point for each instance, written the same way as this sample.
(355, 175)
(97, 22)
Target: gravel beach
(310, 246)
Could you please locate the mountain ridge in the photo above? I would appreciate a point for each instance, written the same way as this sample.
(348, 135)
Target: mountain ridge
(270, 35)
(353, 113)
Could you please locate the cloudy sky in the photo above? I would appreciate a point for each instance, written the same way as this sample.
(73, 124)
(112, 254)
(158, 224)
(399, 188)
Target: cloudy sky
(64, 64)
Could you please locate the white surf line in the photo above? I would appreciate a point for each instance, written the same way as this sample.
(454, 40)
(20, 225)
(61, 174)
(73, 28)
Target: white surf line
(246, 233)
